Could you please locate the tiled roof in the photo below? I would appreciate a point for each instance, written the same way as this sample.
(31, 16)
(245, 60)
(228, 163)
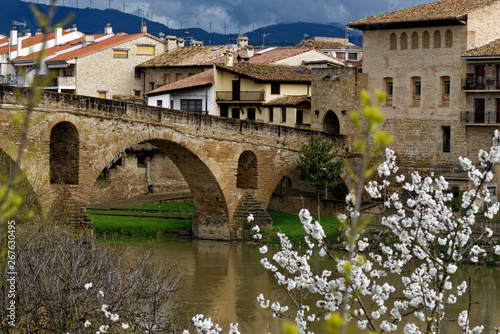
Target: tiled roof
(434, 11)
(270, 72)
(267, 57)
(491, 49)
(197, 80)
(288, 100)
(33, 40)
(309, 42)
(114, 40)
(186, 56)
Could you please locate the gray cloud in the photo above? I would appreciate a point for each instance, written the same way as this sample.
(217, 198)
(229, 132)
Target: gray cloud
(243, 15)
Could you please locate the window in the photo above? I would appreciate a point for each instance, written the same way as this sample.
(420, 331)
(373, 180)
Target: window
(445, 91)
(137, 92)
(167, 78)
(426, 40)
(159, 103)
(404, 41)
(417, 91)
(224, 111)
(235, 113)
(191, 105)
(69, 72)
(389, 87)
(299, 117)
(393, 42)
(137, 74)
(414, 40)
(178, 76)
(151, 86)
(275, 88)
(271, 114)
(147, 50)
(102, 95)
(251, 113)
(352, 56)
(446, 139)
(437, 39)
(120, 53)
(448, 39)
(283, 114)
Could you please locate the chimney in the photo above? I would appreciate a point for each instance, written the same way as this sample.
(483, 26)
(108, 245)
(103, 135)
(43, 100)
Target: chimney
(88, 40)
(249, 50)
(19, 43)
(73, 27)
(108, 30)
(28, 32)
(228, 58)
(196, 43)
(38, 31)
(58, 35)
(242, 41)
(13, 36)
(144, 28)
(171, 43)
(180, 42)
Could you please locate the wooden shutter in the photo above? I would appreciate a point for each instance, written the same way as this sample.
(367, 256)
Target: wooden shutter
(146, 50)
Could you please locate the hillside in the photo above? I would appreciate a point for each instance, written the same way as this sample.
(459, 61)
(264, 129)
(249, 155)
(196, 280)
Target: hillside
(93, 21)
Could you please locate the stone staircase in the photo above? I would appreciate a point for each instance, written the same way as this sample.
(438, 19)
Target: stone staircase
(249, 205)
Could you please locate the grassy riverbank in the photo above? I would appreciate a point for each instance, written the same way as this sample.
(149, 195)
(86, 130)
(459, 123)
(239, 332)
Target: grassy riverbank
(173, 220)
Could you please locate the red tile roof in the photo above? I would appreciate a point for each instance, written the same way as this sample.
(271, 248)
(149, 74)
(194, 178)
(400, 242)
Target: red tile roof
(491, 49)
(288, 100)
(100, 45)
(270, 72)
(434, 11)
(37, 39)
(197, 80)
(309, 42)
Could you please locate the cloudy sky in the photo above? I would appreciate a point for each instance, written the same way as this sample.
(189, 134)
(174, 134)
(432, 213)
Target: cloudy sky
(244, 15)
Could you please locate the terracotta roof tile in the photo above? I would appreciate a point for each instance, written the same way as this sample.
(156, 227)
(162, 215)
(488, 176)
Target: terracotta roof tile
(33, 40)
(309, 42)
(114, 40)
(434, 11)
(197, 80)
(491, 49)
(186, 56)
(288, 100)
(270, 72)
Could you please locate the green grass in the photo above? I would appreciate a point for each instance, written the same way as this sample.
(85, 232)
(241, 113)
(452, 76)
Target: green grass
(189, 206)
(150, 214)
(137, 226)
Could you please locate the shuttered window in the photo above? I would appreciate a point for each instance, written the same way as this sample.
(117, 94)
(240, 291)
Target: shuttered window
(120, 53)
(102, 95)
(146, 50)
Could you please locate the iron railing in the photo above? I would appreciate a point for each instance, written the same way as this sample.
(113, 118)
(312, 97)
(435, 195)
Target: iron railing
(480, 83)
(480, 117)
(12, 80)
(240, 95)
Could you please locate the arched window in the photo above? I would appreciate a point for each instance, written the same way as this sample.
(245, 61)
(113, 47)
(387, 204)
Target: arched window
(246, 176)
(414, 40)
(64, 153)
(393, 44)
(426, 40)
(331, 123)
(404, 41)
(437, 39)
(448, 39)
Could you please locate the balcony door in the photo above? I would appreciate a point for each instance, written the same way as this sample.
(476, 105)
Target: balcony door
(480, 75)
(478, 110)
(236, 90)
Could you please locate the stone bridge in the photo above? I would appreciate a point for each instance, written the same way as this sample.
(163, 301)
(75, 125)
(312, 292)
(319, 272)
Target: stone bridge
(231, 166)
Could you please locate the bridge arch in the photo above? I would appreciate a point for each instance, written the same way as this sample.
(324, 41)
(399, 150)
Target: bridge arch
(331, 123)
(64, 153)
(246, 176)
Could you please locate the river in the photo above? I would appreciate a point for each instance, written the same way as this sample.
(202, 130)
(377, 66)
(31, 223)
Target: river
(224, 279)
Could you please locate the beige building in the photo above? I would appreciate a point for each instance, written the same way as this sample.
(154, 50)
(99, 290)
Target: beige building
(100, 65)
(338, 48)
(416, 55)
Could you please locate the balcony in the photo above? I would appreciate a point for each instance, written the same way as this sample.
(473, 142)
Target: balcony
(66, 81)
(12, 80)
(480, 117)
(481, 83)
(257, 96)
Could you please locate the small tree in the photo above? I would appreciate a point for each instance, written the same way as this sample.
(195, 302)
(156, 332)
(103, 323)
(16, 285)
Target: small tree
(320, 164)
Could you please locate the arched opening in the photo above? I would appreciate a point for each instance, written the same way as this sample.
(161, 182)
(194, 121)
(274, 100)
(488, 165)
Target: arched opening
(331, 123)
(246, 176)
(404, 41)
(437, 39)
(426, 40)
(64, 153)
(448, 39)
(393, 42)
(414, 40)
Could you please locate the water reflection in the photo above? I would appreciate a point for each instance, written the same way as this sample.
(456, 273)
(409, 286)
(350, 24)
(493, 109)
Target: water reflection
(224, 279)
